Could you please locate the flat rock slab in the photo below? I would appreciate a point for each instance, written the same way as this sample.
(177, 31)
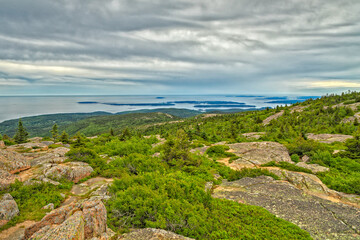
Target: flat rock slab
(272, 117)
(258, 153)
(90, 185)
(13, 162)
(321, 218)
(315, 168)
(328, 138)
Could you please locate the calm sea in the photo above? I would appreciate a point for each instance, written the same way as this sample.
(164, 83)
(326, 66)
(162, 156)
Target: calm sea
(16, 107)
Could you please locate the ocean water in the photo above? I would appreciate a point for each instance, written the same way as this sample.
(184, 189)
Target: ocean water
(23, 106)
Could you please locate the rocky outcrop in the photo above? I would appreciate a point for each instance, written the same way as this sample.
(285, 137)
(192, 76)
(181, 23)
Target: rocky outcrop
(71, 228)
(95, 218)
(315, 168)
(31, 145)
(328, 138)
(258, 153)
(48, 143)
(305, 181)
(253, 135)
(272, 117)
(6, 179)
(8, 208)
(153, 234)
(73, 171)
(13, 162)
(352, 118)
(322, 218)
(55, 156)
(86, 220)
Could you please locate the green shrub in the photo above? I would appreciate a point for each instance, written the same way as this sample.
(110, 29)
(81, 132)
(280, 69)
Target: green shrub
(31, 198)
(88, 156)
(177, 202)
(295, 158)
(302, 147)
(220, 151)
(287, 166)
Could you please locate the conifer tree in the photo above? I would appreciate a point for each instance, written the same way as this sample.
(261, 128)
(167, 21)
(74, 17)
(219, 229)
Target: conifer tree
(112, 132)
(21, 134)
(64, 137)
(54, 131)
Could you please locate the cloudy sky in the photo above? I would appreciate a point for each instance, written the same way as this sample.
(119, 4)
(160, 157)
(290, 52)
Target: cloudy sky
(179, 47)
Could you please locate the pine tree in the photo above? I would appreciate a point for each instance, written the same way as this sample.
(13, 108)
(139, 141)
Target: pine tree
(79, 140)
(64, 137)
(125, 135)
(21, 134)
(112, 132)
(54, 131)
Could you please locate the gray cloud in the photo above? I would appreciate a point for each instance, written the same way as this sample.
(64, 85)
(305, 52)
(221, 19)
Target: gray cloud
(220, 46)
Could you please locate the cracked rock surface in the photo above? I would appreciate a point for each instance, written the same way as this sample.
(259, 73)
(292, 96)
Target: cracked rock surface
(323, 219)
(257, 153)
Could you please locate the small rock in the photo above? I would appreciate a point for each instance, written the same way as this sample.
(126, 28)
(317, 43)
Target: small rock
(49, 206)
(208, 186)
(8, 207)
(157, 154)
(62, 195)
(35, 139)
(73, 171)
(337, 151)
(253, 135)
(6, 179)
(2, 144)
(47, 180)
(305, 159)
(47, 143)
(61, 151)
(315, 168)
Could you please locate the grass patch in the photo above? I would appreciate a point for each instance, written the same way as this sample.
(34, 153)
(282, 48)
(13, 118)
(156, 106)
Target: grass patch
(287, 166)
(220, 151)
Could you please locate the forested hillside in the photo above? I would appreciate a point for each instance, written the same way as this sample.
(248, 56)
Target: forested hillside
(42, 125)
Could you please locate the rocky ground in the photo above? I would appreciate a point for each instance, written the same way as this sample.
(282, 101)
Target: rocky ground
(328, 138)
(82, 215)
(300, 198)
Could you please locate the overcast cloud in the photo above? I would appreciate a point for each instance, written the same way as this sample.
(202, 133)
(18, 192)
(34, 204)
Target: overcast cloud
(179, 47)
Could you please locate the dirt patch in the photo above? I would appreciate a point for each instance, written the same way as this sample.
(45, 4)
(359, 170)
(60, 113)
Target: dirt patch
(16, 232)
